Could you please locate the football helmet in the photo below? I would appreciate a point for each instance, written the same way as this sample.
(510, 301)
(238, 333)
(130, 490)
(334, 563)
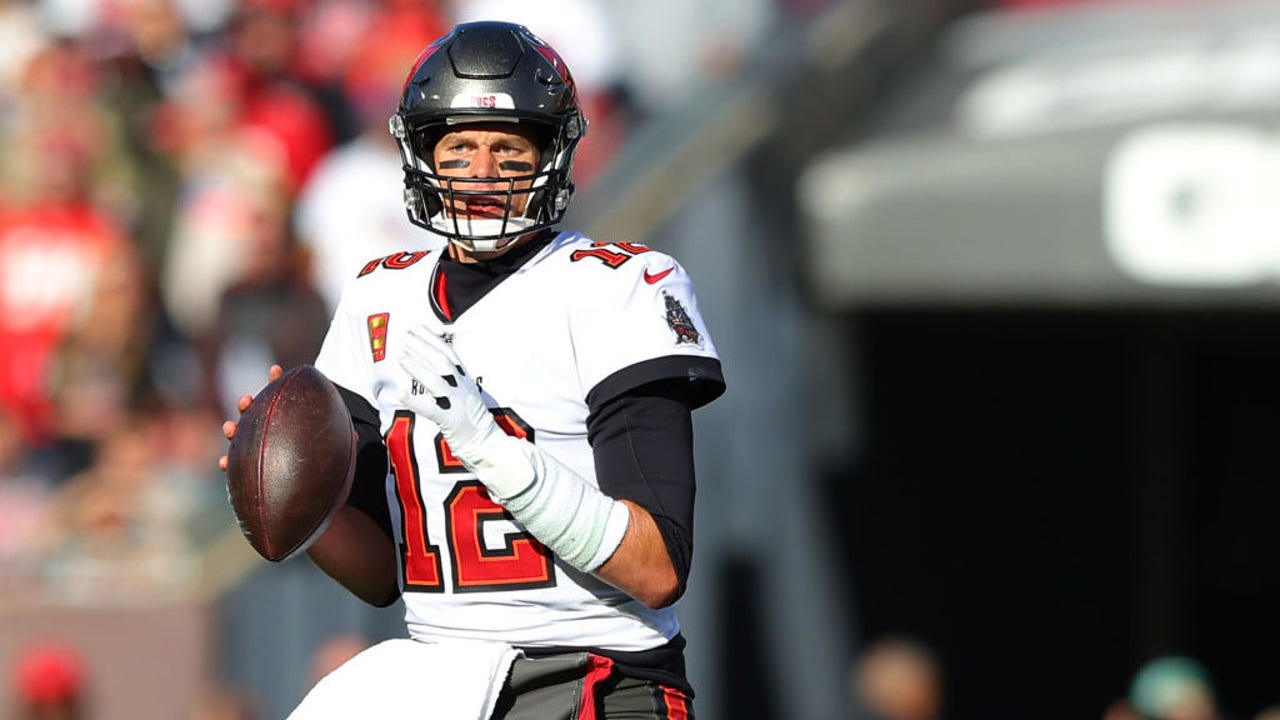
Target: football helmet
(485, 72)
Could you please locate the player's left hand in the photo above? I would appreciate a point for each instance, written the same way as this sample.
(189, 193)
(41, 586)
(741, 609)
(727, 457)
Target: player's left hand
(229, 427)
(451, 399)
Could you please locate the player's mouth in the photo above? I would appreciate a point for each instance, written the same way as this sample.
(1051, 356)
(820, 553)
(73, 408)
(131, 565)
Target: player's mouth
(484, 207)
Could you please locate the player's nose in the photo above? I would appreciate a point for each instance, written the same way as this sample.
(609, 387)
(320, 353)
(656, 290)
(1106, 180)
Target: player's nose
(484, 165)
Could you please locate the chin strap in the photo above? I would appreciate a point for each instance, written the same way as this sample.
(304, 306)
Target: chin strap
(493, 233)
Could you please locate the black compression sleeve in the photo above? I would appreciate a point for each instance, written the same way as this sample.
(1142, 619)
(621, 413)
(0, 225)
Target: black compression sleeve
(642, 442)
(368, 488)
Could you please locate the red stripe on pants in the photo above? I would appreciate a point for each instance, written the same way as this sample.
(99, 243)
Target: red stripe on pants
(677, 705)
(598, 669)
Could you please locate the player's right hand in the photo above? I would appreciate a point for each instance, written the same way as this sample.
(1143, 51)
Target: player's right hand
(229, 426)
(452, 400)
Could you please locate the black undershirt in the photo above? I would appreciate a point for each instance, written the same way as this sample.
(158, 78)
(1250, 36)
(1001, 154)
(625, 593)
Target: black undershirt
(456, 286)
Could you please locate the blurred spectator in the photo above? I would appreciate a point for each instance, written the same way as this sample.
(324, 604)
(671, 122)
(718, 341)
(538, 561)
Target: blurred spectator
(298, 118)
(123, 531)
(59, 95)
(1271, 713)
(898, 678)
(102, 359)
(49, 683)
(223, 167)
(143, 71)
(334, 32)
(70, 314)
(330, 34)
(1173, 688)
(129, 525)
(270, 313)
(352, 208)
(584, 35)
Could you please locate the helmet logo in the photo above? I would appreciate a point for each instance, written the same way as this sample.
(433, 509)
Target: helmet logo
(490, 101)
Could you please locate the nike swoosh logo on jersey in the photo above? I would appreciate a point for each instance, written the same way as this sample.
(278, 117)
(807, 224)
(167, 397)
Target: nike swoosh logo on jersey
(655, 277)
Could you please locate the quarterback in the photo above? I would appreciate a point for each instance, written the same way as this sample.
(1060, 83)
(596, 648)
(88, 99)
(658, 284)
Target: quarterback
(523, 399)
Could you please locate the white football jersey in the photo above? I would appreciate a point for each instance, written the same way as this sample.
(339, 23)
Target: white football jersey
(566, 321)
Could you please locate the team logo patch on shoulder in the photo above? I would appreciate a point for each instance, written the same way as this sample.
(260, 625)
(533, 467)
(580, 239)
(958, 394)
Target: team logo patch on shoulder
(378, 335)
(679, 322)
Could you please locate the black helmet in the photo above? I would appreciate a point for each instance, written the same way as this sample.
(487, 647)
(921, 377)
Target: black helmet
(488, 71)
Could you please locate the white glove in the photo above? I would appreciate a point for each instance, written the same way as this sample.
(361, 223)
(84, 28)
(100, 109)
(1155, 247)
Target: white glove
(452, 400)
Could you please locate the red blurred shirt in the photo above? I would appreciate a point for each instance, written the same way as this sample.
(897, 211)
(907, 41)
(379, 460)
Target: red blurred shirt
(50, 259)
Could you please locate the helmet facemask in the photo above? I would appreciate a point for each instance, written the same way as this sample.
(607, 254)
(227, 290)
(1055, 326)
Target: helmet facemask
(433, 200)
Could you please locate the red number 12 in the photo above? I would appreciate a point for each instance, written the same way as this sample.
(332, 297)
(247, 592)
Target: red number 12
(522, 563)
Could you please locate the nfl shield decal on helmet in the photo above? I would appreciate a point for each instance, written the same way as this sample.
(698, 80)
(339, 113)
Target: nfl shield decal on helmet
(679, 322)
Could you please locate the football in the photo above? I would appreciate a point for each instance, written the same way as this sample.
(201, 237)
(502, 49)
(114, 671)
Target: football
(291, 462)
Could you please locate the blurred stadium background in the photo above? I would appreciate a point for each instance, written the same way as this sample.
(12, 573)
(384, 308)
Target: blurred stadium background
(995, 284)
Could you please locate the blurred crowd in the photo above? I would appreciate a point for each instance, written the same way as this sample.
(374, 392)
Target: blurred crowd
(895, 677)
(53, 679)
(185, 186)
(154, 159)
(903, 677)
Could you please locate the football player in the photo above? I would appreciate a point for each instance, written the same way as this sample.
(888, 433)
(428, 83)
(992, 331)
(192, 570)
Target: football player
(524, 399)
